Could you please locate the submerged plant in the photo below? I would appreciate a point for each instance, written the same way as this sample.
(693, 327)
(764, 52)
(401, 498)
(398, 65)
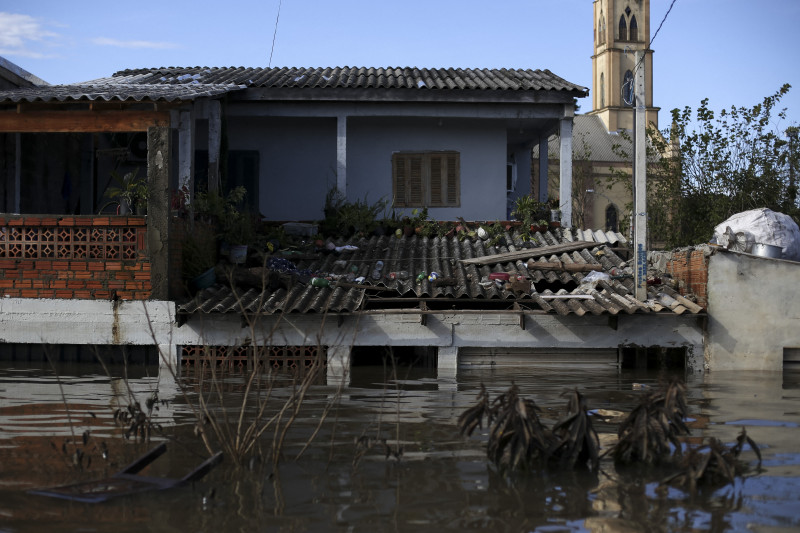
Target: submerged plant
(713, 464)
(650, 432)
(519, 440)
(577, 442)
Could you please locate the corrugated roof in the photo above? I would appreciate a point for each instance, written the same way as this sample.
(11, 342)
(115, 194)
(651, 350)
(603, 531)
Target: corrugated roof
(355, 78)
(108, 91)
(466, 286)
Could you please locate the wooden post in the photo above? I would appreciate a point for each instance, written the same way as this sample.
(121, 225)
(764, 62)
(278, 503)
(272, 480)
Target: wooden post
(640, 181)
(158, 149)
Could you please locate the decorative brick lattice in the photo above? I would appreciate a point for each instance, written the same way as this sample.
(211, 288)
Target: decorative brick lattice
(67, 243)
(74, 257)
(289, 358)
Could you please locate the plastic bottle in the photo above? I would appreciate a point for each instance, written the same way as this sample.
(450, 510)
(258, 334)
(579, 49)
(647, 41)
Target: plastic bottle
(320, 282)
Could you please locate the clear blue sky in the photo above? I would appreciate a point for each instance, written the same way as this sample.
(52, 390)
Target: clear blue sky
(733, 51)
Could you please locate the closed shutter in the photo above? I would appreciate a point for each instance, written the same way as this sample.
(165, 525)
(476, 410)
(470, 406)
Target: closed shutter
(453, 173)
(416, 194)
(426, 179)
(436, 179)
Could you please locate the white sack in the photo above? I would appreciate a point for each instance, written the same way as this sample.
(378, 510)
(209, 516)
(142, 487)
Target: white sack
(767, 227)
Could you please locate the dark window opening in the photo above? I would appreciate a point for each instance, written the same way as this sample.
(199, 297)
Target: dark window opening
(612, 218)
(623, 29)
(65, 355)
(627, 89)
(634, 31)
(242, 170)
(397, 356)
(653, 357)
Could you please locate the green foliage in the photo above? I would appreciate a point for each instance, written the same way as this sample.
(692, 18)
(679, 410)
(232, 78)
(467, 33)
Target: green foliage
(528, 210)
(708, 167)
(233, 225)
(129, 188)
(347, 218)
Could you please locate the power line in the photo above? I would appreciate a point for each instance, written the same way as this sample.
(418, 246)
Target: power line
(649, 45)
(275, 33)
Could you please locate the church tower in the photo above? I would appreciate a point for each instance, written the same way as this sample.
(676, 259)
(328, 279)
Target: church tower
(621, 27)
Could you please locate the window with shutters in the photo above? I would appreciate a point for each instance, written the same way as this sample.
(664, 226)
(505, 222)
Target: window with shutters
(426, 179)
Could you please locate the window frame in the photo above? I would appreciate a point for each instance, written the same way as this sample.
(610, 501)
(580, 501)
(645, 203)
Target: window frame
(403, 193)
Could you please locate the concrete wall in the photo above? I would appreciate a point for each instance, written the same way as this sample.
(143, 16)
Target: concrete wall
(754, 311)
(297, 163)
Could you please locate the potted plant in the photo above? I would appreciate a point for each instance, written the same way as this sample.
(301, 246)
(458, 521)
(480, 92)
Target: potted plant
(235, 228)
(238, 231)
(555, 210)
(530, 212)
(130, 191)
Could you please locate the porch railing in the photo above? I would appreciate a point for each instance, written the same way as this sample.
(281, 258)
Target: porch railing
(84, 257)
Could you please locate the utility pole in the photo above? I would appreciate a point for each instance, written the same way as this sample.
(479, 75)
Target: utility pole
(640, 181)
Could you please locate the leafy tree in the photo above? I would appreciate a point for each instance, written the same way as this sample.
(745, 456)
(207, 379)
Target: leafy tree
(708, 167)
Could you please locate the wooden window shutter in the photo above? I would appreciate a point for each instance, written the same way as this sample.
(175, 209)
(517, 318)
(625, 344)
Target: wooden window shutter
(426, 179)
(415, 194)
(437, 176)
(453, 179)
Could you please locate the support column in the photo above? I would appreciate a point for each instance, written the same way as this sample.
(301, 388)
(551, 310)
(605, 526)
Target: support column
(338, 369)
(565, 188)
(447, 367)
(158, 150)
(168, 357)
(341, 154)
(214, 143)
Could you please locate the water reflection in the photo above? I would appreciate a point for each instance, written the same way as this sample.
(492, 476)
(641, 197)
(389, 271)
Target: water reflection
(441, 482)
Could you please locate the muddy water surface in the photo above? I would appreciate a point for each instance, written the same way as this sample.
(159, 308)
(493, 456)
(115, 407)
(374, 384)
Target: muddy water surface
(440, 482)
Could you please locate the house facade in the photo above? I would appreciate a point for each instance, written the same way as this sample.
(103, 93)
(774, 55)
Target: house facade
(73, 271)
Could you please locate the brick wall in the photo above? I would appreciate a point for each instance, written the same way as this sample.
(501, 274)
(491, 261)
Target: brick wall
(690, 269)
(82, 257)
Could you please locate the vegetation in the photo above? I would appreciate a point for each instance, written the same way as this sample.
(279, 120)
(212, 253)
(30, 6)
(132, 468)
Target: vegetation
(344, 218)
(710, 166)
(130, 190)
(529, 211)
(519, 441)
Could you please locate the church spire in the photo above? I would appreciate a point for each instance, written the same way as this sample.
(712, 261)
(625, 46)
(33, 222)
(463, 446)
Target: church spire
(621, 27)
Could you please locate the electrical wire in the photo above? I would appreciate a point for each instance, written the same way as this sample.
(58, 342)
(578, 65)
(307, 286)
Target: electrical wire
(639, 64)
(275, 32)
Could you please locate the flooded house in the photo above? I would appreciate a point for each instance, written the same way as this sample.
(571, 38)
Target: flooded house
(80, 268)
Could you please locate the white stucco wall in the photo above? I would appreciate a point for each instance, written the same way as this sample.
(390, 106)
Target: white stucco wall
(754, 311)
(297, 161)
(480, 143)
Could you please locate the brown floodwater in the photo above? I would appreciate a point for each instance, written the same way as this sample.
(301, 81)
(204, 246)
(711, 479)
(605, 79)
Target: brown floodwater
(441, 481)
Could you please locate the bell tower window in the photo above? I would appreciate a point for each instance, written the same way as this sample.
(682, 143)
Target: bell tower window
(627, 89)
(602, 29)
(634, 31)
(623, 29)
